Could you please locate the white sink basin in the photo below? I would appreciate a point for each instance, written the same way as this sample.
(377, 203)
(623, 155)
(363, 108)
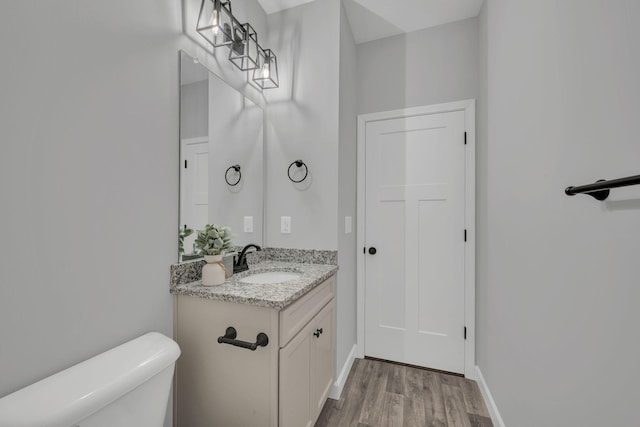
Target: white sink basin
(270, 277)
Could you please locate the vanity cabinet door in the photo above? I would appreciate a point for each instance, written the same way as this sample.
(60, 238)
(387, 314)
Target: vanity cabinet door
(295, 380)
(322, 358)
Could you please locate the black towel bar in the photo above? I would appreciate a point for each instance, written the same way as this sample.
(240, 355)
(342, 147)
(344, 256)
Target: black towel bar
(230, 338)
(600, 189)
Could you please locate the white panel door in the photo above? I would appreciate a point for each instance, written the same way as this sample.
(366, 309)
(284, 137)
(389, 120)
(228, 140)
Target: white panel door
(415, 220)
(194, 178)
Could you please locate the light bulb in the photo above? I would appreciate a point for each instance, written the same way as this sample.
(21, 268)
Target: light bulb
(214, 21)
(265, 70)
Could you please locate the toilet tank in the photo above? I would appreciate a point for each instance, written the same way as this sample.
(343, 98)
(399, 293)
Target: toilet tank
(126, 386)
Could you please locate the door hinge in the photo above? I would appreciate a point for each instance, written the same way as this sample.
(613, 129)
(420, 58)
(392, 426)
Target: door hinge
(465, 138)
(465, 234)
(185, 164)
(465, 332)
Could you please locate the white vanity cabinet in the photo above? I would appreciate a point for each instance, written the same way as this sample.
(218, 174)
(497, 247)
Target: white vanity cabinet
(283, 384)
(306, 370)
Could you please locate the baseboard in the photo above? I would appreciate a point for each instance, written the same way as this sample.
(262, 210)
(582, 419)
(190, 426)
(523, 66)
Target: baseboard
(338, 385)
(496, 418)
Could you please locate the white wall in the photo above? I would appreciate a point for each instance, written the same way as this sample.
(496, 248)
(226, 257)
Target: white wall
(302, 123)
(557, 336)
(88, 179)
(431, 66)
(346, 288)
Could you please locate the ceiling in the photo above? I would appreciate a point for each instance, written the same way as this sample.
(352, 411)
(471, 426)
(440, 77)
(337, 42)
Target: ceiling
(272, 6)
(376, 19)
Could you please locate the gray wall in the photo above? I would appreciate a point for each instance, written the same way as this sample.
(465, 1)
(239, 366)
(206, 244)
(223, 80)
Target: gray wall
(346, 289)
(430, 66)
(88, 179)
(557, 303)
(236, 136)
(194, 110)
(302, 123)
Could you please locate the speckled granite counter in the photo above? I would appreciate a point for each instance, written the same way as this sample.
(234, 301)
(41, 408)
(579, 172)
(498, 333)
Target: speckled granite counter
(272, 295)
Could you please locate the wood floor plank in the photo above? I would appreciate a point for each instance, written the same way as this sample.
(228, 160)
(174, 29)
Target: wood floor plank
(414, 387)
(454, 407)
(478, 421)
(473, 398)
(397, 379)
(451, 380)
(435, 415)
(352, 396)
(422, 398)
(329, 411)
(374, 397)
(414, 411)
(392, 410)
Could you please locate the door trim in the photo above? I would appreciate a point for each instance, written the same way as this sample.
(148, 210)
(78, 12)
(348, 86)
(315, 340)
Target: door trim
(468, 107)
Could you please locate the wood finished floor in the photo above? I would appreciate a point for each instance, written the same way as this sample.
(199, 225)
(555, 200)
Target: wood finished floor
(382, 394)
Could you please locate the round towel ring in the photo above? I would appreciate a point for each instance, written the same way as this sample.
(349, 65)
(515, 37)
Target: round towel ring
(298, 163)
(237, 169)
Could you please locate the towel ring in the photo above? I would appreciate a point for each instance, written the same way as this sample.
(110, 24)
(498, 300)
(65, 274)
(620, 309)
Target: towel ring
(298, 163)
(237, 169)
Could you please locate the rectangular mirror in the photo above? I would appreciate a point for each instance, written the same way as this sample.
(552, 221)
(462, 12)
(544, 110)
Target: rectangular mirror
(221, 158)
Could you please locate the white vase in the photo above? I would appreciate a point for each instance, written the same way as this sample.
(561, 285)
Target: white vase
(212, 272)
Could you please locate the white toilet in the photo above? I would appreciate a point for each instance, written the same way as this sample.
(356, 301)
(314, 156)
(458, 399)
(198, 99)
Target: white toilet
(127, 386)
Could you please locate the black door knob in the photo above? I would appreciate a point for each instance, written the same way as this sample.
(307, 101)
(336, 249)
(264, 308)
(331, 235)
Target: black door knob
(372, 251)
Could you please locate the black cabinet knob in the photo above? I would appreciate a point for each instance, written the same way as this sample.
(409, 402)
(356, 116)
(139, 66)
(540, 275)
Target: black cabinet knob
(317, 333)
(372, 251)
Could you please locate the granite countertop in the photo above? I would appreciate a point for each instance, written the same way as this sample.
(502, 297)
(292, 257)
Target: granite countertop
(271, 295)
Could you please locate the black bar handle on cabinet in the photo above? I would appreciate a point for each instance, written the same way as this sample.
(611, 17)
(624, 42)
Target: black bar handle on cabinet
(230, 338)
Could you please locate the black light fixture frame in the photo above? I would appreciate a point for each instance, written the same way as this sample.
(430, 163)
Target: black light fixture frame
(226, 29)
(235, 37)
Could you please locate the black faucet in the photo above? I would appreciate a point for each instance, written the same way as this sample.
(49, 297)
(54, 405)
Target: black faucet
(241, 262)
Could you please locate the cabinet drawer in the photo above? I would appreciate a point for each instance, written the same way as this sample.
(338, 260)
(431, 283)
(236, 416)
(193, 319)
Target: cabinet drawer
(294, 317)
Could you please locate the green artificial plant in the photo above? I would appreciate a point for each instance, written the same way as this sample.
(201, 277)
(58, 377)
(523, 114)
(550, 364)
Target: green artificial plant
(182, 233)
(213, 239)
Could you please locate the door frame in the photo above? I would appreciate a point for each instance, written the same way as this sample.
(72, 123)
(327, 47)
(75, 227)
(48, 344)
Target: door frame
(469, 109)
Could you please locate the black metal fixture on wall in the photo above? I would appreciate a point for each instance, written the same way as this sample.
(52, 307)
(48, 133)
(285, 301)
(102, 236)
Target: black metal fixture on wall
(238, 175)
(217, 25)
(299, 164)
(599, 190)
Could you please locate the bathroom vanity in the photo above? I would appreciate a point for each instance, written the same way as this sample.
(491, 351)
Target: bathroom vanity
(284, 383)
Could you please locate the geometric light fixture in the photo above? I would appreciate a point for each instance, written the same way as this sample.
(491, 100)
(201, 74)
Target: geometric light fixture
(266, 75)
(215, 22)
(217, 25)
(244, 50)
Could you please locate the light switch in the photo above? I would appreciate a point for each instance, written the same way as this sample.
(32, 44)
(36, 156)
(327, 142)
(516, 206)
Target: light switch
(348, 225)
(285, 224)
(248, 224)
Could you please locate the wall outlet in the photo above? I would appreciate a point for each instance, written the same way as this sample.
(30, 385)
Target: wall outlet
(348, 225)
(248, 224)
(285, 225)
